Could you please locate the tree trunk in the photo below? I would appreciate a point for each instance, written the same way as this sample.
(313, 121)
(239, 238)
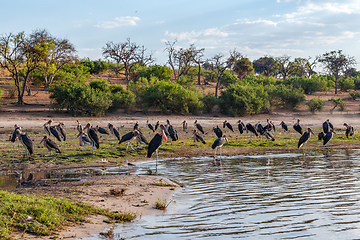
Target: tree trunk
(336, 85)
(199, 73)
(217, 87)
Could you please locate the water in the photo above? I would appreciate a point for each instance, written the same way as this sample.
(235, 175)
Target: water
(275, 196)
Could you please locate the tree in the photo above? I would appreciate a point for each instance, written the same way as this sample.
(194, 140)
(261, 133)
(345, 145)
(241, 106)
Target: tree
(218, 66)
(285, 66)
(197, 55)
(336, 63)
(266, 66)
(56, 53)
(243, 67)
(126, 54)
(20, 57)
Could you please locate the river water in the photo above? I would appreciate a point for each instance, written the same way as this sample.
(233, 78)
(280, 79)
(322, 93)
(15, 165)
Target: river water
(272, 196)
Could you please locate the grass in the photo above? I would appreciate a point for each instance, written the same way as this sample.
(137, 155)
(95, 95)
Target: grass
(43, 215)
(115, 153)
(162, 204)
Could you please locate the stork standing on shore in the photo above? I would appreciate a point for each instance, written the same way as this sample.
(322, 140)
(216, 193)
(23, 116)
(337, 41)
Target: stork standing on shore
(14, 135)
(61, 130)
(184, 126)
(217, 131)
(84, 139)
(297, 127)
(327, 126)
(349, 130)
(128, 138)
(328, 136)
(304, 138)
(198, 138)
(50, 145)
(26, 142)
(114, 132)
(155, 144)
(51, 130)
(101, 130)
(251, 129)
(226, 124)
(199, 127)
(218, 144)
(93, 136)
(150, 126)
(284, 126)
(241, 126)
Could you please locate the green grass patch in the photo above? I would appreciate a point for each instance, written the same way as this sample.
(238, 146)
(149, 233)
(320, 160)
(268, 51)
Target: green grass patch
(43, 215)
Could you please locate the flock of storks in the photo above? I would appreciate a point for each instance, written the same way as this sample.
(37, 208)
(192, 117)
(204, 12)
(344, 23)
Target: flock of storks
(89, 134)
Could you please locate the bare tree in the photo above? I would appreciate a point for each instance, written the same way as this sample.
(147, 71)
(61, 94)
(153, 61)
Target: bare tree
(126, 54)
(57, 53)
(285, 66)
(218, 66)
(170, 48)
(197, 55)
(336, 63)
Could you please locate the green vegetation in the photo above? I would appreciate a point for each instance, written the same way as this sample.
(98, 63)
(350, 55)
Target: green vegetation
(315, 105)
(162, 204)
(338, 102)
(44, 215)
(354, 95)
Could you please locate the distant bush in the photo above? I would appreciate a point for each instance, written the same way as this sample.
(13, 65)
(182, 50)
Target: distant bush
(289, 98)
(168, 96)
(240, 100)
(94, 99)
(209, 101)
(354, 95)
(345, 84)
(228, 77)
(157, 71)
(338, 102)
(309, 85)
(316, 104)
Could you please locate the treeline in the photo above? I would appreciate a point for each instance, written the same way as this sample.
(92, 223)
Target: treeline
(241, 86)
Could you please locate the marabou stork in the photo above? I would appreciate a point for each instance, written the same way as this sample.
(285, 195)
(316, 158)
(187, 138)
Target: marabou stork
(61, 130)
(228, 125)
(198, 138)
(26, 142)
(14, 135)
(251, 128)
(284, 126)
(269, 125)
(259, 128)
(155, 143)
(150, 126)
(51, 130)
(157, 125)
(136, 126)
(328, 136)
(304, 138)
(173, 134)
(349, 130)
(327, 126)
(217, 131)
(241, 126)
(184, 126)
(79, 127)
(128, 138)
(84, 139)
(297, 127)
(140, 138)
(199, 127)
(50, 145)
(114, 131)
(93, 136)
(321, 136)
(268, 135)
(101, 130)
(218, 144)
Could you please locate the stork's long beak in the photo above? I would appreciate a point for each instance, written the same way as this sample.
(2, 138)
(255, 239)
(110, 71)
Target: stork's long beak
(312, 132)
(226, 140)
(79, 134)
(42, 141)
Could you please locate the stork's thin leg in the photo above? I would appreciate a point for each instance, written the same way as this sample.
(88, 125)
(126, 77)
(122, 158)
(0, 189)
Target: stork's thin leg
(250, 136)
(215, 153)
(156, 159)
(220, 153)
(132, 146)
(304, 149)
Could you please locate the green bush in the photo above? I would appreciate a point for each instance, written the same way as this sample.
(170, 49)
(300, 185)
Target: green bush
(94, 99)
(157, 71)
(309, 85)
(287, 97)
(345, 84)
(240, 100)
(228, 77)
(209, 101)
(316, 105)
(354, 95)
(338, 102)
(168, 96)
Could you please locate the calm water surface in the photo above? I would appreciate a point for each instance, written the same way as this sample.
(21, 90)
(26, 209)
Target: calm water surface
(274, 196)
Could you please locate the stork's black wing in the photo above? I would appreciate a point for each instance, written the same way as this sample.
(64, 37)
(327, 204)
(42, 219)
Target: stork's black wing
(27, 142)
(55, 133)
(154, 144)
(94, 137)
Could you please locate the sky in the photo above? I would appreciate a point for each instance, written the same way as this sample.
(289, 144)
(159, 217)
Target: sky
(255, 28)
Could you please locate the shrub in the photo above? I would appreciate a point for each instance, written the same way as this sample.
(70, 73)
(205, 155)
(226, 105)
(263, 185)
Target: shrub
(160, 72)
(240, 100)
(316, 105)
(338, 102)
(354, 95)
(168, 96)
(345, 84)
(287, 97)
(209, 101)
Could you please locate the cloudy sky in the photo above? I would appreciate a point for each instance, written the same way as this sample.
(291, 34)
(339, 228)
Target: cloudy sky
(297, 28)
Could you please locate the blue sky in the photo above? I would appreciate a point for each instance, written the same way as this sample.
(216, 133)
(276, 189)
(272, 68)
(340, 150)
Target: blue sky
(255, 28)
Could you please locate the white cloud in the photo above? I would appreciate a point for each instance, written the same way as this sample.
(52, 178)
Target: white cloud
(194, 36)
(118, 22)
(258, 21)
